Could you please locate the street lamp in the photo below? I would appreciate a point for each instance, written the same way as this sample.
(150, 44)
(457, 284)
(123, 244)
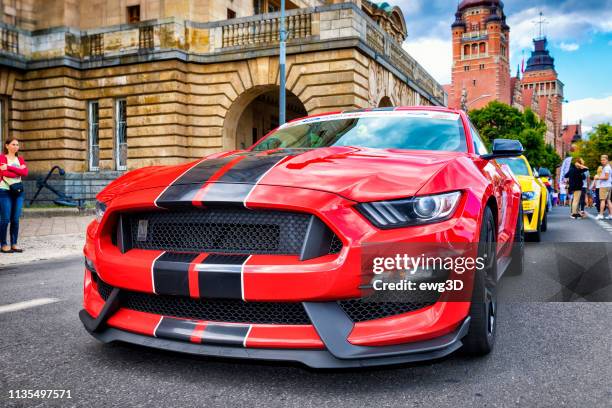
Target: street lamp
(281, 92)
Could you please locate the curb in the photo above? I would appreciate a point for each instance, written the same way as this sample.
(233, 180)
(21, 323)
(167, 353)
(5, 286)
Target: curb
(56, 212)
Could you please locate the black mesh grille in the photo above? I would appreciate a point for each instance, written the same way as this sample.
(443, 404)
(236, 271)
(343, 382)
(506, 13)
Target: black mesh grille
(223, 231)
(214, 310)
(387, 304)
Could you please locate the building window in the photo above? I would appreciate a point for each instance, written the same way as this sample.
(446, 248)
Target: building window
(466, 49)
(482, 66)
(133, 14)
(231, 14)
(121, 147)
(483, 48)
(257, 6)
(474, 48)
(466, 68)
(93, 127)
(474, 82)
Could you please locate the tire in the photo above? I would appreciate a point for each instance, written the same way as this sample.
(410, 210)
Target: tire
(483, 309)
(544, 225)
(517, 264)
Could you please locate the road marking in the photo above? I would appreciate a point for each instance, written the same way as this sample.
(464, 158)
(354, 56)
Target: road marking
(602, 223)
(13, 307)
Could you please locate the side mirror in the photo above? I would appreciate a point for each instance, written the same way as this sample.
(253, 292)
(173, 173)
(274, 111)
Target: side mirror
(504, 148)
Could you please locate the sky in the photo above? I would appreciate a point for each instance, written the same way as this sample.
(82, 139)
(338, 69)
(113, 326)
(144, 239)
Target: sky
(579, 36)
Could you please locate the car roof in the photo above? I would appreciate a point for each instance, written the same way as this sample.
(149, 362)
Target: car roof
(440, 109)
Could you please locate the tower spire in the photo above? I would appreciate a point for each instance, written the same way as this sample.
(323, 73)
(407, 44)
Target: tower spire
(541, 23)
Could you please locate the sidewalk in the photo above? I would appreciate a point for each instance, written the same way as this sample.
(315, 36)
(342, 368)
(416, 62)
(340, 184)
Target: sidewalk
(48, 238)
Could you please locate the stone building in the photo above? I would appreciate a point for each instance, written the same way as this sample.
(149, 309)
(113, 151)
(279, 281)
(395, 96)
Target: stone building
(101, 86)
(481, 68)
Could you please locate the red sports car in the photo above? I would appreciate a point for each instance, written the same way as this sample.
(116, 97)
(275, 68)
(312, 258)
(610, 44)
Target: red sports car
(257, 253)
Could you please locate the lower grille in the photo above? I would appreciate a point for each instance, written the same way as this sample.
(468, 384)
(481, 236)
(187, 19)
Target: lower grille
(388, 303)
(359, 310)
(213, 310)
(238, 311)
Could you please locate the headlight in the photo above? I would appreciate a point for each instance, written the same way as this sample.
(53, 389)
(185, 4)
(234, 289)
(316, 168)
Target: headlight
(411, 211)
(100, 209)
(528, 195)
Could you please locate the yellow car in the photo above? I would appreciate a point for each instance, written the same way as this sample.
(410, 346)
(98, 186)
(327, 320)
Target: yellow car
(535, 196)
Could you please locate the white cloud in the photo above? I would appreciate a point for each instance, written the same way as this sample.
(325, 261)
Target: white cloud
(434, 54)
(569, 47)
(575, 27)
(592, 111)
(409, 7)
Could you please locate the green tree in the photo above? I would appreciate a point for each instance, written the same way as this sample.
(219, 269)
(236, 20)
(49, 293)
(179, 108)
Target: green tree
(500, 121)
(598, 143)
(497, 120)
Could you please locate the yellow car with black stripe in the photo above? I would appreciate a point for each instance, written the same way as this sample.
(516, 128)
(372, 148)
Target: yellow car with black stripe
(535, 197)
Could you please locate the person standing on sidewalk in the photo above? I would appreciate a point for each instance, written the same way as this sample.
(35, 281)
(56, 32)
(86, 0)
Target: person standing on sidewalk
(576, 178)
(12, 169)
(605, 185)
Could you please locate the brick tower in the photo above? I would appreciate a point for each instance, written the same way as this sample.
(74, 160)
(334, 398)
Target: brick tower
(481, 62)
(540, 81)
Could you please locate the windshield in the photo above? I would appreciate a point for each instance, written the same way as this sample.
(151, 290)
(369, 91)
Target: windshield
(418, 131)
(517, 165)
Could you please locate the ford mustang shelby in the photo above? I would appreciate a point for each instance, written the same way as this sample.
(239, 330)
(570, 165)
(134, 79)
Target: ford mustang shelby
(256, 253)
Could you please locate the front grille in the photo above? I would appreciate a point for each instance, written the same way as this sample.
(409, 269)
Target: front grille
(213, 310)
(213, 230)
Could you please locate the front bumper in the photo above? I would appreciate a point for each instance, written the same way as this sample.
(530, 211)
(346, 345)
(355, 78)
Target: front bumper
(332, 328)
(531, 215)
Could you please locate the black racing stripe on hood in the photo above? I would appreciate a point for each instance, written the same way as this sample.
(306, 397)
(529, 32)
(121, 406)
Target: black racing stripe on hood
(183, 189)
(234, 187)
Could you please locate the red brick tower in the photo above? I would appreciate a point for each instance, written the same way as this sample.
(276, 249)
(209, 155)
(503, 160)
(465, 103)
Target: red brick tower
(481, 62)
(541, 80)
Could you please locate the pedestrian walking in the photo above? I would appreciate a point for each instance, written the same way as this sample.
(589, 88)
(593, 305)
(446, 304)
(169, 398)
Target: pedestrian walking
(12, 169)
(575, 175)
(605, 186)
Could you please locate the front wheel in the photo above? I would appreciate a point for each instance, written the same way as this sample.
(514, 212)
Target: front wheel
(483, 308)
(544, 226)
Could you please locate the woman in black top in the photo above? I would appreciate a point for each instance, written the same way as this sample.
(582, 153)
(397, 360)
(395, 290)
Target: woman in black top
(576, 176)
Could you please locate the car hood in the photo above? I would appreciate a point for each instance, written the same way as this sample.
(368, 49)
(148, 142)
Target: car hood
(359, 174)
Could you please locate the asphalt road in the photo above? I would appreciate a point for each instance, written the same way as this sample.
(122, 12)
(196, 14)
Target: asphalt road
(547, 355)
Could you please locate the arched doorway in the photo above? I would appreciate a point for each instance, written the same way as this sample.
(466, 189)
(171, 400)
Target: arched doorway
(385, 102)
(254, 113)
